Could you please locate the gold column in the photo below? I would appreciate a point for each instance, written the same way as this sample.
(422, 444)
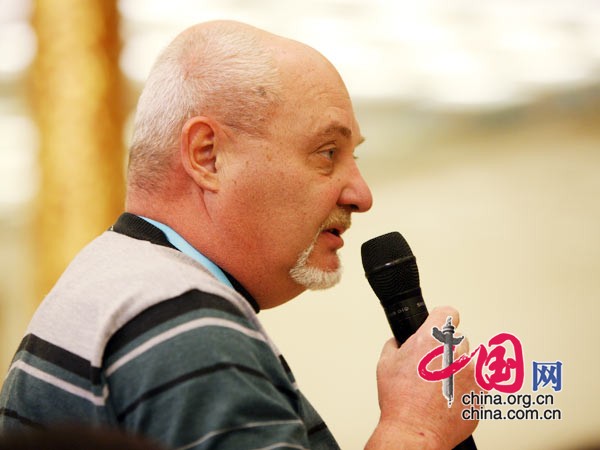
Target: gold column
(78, 105)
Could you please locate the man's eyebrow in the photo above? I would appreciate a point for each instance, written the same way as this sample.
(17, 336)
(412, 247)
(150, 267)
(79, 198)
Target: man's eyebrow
(340, 129)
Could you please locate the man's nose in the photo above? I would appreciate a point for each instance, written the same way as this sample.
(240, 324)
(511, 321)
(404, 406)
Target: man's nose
(356, 193)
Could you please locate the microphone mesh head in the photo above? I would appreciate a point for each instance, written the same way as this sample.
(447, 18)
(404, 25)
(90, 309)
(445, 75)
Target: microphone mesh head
(390, 266)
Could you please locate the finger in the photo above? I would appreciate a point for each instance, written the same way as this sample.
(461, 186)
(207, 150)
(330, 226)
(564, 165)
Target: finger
(390, 346)
(439, 315)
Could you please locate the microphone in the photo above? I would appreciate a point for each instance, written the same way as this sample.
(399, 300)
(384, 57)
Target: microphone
(391, 269)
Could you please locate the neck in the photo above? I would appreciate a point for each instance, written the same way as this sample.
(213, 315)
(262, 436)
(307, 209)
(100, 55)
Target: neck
(270, 286)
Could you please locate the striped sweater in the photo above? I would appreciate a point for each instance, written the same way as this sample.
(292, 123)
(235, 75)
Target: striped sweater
(138, 335)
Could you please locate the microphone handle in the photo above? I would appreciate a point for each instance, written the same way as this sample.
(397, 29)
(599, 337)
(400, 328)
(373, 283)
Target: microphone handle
(405, 316)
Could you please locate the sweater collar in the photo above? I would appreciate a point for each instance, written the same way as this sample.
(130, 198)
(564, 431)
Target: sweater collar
(135, 227)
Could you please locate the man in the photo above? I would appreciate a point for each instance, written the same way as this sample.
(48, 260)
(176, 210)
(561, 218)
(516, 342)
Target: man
(241, 183)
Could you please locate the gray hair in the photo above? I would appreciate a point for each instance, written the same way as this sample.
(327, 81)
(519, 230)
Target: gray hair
(216, 71)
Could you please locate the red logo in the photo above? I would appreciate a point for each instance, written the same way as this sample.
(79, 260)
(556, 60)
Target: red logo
(498, 366)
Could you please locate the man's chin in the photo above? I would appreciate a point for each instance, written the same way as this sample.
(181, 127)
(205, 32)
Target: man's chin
(316, 269)
(314, 278)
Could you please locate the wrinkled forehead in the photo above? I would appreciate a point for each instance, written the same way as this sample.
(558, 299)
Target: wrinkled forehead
(313, 93)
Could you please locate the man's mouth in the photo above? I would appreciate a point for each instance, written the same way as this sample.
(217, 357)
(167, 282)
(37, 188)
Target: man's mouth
(335, 231)
(336, 224)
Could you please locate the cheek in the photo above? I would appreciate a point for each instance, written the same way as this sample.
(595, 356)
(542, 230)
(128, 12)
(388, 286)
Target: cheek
(277, 208)
(265, 204)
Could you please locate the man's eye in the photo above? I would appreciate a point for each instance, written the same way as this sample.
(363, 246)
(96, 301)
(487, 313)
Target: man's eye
(329, 153)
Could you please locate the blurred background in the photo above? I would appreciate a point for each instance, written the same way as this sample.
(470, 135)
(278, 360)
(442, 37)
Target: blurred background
(482, 121)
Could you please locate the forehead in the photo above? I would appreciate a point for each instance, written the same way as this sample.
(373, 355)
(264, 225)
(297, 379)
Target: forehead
(314, 100)
(315, 123)
(321, 108)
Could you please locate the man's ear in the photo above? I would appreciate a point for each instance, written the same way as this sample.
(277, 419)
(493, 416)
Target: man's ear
(198, 152)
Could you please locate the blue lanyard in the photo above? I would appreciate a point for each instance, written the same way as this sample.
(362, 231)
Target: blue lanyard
(184, 246)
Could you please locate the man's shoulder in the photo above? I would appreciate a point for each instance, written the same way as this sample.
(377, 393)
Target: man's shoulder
(113, 253)
(115, 268)
(195, 326)
(112, 280)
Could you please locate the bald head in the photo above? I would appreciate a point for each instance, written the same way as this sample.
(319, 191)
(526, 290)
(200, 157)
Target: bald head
(244, 145)
(224, 70)
(236, 74)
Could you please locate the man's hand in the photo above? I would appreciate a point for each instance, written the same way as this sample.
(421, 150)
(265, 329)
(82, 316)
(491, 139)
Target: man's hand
(414, 413)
